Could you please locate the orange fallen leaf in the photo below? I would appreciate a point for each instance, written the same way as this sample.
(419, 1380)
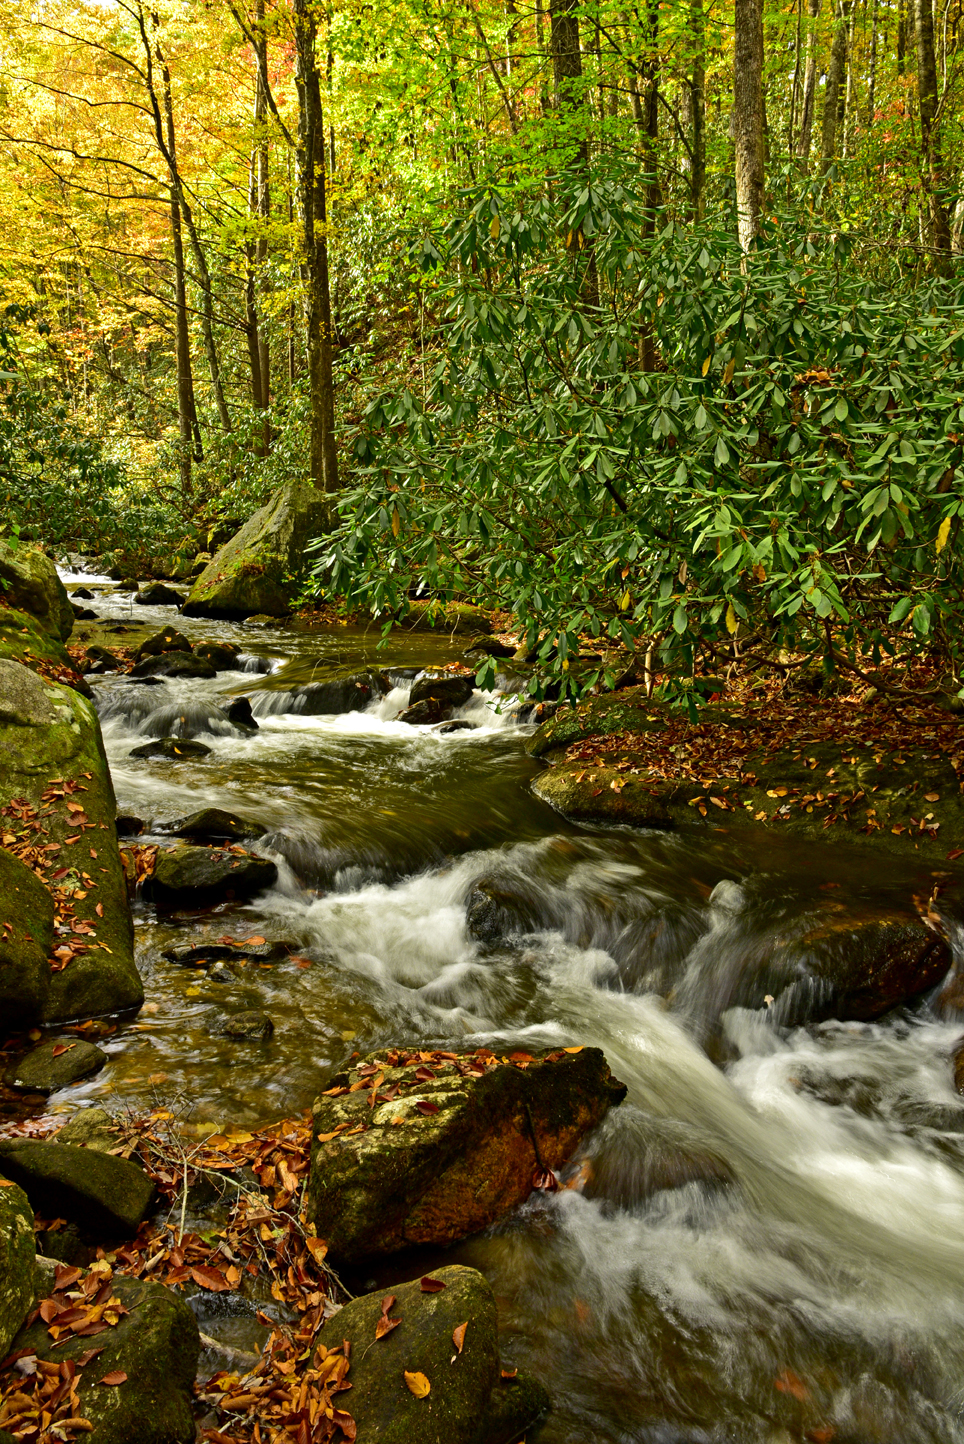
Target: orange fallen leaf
(417, 1384)
(385, 1326)
(574, 1050)
(790, 1383)
(117, 1376)
(458, 1335)
(317, 1248)
(431, 1286)
(510, 1373)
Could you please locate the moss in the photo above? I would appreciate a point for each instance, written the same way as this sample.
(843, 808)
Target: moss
(105, 1196)
(17, 1267)
(26, 937)
(29, 582)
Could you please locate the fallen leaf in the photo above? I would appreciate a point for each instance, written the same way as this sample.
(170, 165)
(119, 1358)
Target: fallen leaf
(417, 1384)
(574, 1050)
(458, 1335)
(385, 1326)
(510, 1373)
(117, 1376)
(317, 1248)
(424, 1106)
(790, 1383)
(431, 1286)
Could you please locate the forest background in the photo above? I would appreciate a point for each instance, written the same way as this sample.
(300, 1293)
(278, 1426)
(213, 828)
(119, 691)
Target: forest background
(643, 322)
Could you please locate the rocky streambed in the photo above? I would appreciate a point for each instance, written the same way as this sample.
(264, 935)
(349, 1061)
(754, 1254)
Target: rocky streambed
(636, 1127)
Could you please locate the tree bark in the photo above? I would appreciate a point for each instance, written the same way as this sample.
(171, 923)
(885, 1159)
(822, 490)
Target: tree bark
(932, 164)
(570, 101)
(314, 210)
(809, 86)
(872, 67)
(832, 92)
(698, 107)
(748, 118)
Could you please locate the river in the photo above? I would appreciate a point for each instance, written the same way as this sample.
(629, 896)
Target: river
(813, 1290)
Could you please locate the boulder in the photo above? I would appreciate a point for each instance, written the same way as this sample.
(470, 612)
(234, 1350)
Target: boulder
(256, 571)
(173, 748)
(417, 1148)
(84, 593)
(55, 1064)
(24, 640)
(26, 939)
(153, 1351)
(442, 687)
(427, 713)
(54, 760)
(196, 876)
(83, 614)
(347, 692)
(239, 712)
(211, 824)
(91, 1128)
(167, 640)
(100, 660)
(251, 1025)
(106, 1197)
(29, 583)
(174, 664)
(466, 1400)
(223, 656)
(156, 594)
(439, 616)
(17, 1254)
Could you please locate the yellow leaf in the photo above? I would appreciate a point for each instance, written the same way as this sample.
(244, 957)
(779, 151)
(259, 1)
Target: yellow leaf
(728, 373)
(706, 365)
(495, 228)
(396, 522)
(418, 1384)
(731, 619)
(943, 532)
(624, 601)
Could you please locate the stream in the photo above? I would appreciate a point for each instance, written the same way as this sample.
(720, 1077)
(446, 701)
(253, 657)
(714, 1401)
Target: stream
(817, 1295)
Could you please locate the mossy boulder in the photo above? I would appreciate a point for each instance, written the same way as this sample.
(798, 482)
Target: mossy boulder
(54, 759)
(23, 639)
(186, 876)
(29, 583)
(437, 616)
(155, 1345)
(105, 1196)
(18, 1253)
(467, 1402)
(428, 1148)
(26, 938)
(257, 570)
(55, 1064)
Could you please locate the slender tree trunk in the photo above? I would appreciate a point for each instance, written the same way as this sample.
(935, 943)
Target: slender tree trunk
(931, 155)
(809, 86)
(795, 82)
(748, 118)
(901, 37)
(872, 67)
(570, 102)
(544, 105)
(311, 148)
(698, 106)
(848, 104)
(832, 92)
(187, 425)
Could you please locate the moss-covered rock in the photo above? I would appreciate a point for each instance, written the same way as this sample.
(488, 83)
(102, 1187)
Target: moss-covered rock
(436, 616)
(26, 938)
(55, 1064)
(257, 570)
(106, 1197)
(17, 1255)
(467, 1402)
(29, 582)
(156, 1345)
(186, 876)
(406, 1152)
(54, 759)
(23, 639)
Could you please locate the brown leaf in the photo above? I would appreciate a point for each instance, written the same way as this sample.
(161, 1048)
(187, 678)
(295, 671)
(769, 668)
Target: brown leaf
(418, 1384)
(431, 1286)
(388, 1303)
(209, 1278)
(509, 1373)
(458, 1335)
(574, 1050)
(385, 1326)
(317, 1248)
(117, 1376)
(424, 1106)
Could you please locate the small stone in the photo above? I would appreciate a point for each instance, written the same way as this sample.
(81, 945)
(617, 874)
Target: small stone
(156, 594)
(211, 824)
(83, 593)
(167, 640)
(175, 748)
(248, 1025)
(459, 726)
(425, 714)
(128, 826)
(91, 1128)
(239, 712)
(262, 619)
(83, 614)
(54, 1064)
(222, 655)
(455, 691)
(174, 664)
(100, 660)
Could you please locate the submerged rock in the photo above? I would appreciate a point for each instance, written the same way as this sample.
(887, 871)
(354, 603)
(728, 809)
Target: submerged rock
(459, 1396)
(174, 664)
(105, 1196)
(212, 824)
(26, 939)
(239, 712)
(100, 660)
(632, 1156)
(346, 692)
(256, 571)
(252, 1025)
(425, 1149)
(55, 1064)
(153, 1348)
(156, 594)
(223, 656)
(195, 876)
(170, 747)
(167, 640)
(426, 713)
(17, 1262)
(441, 687)
(53, 732)
(199, 955)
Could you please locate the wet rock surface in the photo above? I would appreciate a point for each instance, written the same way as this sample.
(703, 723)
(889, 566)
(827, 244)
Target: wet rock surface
(29, 583)
(473, 1132)
(55, 1064)
(168, 639)
(193, 876)
(26, 940)
(174, 664)
(466, 1401)
(223, 656)
(252, 1025)
(100, 660)
(426, 713)
(442, 687)
(171, 748)
(348, 692)
(106, 1197)
(213, 824)
(17, 1254)
(156, 594)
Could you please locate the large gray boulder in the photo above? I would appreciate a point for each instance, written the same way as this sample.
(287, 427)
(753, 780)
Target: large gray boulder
(29, 583)
(257, 570)
(52, 732)
(148, 1358)
(107, 1197)
(416, 1384)
(186, 876)
(17, 1255)
(26, 938)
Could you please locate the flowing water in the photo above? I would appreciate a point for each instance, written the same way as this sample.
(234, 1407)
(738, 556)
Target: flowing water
(808, 1285)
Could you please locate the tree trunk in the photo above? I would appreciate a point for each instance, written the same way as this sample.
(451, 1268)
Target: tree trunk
(932, 167)
(872, 67)
(809, 86)
(748, 118)
(189, 433)
(311, 180)
(832, 93)
(901, 37)
(543, 58)
(570, 101)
